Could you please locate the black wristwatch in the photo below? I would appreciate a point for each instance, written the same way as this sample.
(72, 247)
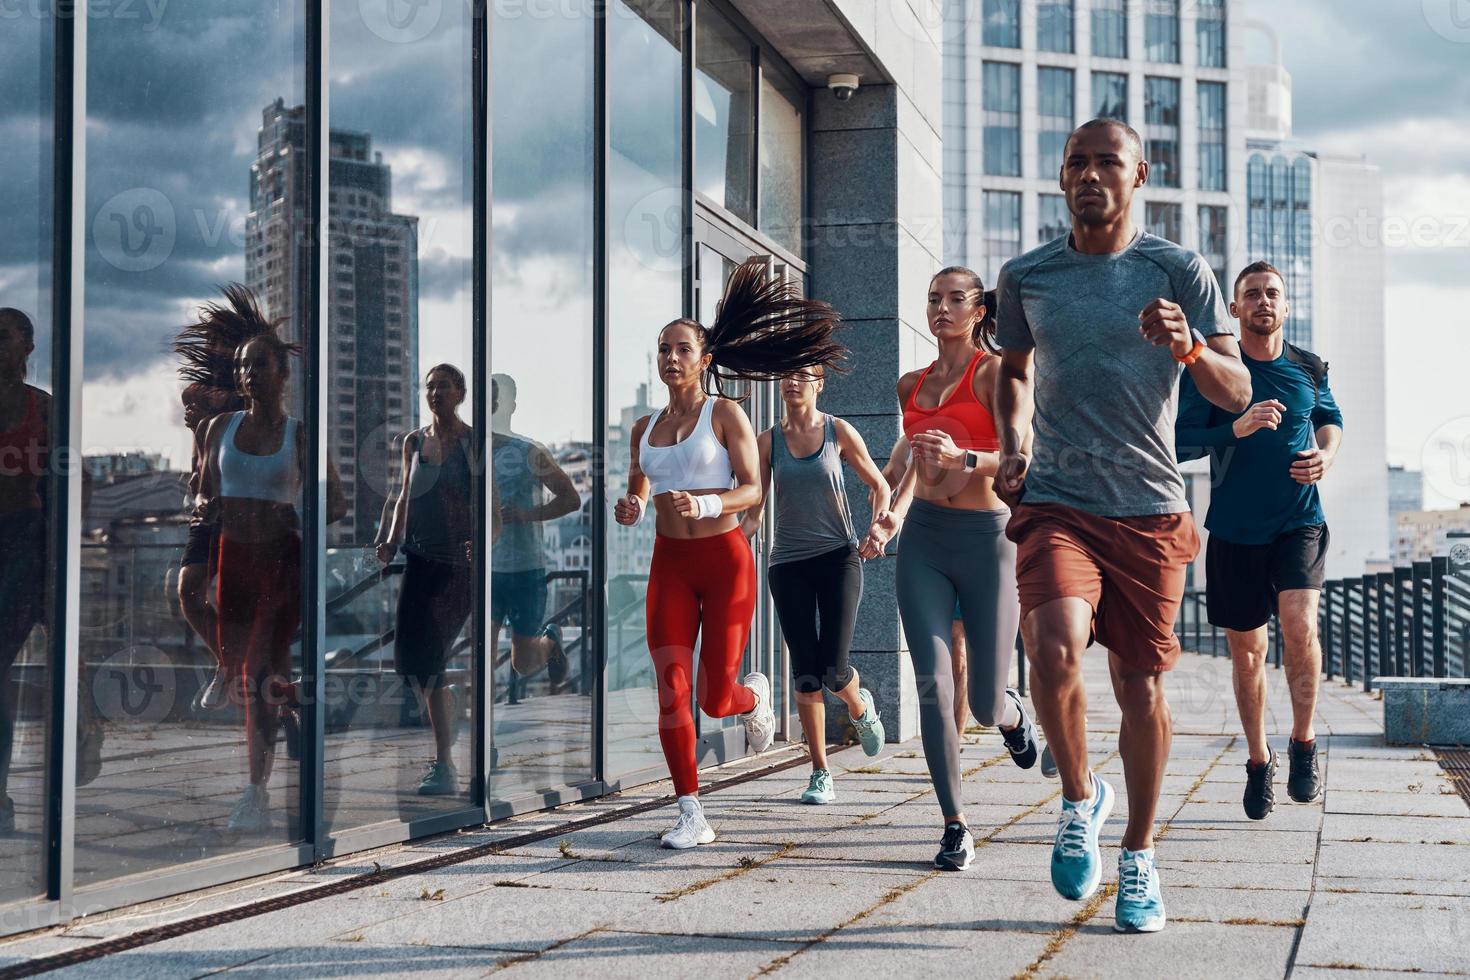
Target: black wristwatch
(972, 460)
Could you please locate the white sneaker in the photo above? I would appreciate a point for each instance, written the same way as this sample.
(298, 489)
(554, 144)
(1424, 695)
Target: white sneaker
(691, 827)
(252, 813)
(760, 722)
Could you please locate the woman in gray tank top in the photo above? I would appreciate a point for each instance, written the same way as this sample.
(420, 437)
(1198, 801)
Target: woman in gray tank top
(815, 575)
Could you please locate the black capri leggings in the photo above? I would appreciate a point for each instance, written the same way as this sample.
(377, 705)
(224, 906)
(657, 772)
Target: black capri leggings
(817, 602)
(433, 603)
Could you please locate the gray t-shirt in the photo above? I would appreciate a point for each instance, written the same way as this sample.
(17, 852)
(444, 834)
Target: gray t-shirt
(1105, 397)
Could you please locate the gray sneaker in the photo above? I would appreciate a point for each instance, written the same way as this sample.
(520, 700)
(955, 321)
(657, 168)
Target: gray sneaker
(440, 780)
(252, 812)
(1048, 763)
(760, 721)
(869, 727)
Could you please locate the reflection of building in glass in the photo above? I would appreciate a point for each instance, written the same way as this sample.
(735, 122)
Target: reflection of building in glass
(373, 291)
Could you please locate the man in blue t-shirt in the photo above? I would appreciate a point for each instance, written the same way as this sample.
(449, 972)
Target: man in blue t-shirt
(1267, 550)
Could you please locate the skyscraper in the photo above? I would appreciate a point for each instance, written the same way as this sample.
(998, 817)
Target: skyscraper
(372, 326)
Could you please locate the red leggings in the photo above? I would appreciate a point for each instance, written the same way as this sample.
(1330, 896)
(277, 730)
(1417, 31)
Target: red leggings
(259, 601)
(701, 588)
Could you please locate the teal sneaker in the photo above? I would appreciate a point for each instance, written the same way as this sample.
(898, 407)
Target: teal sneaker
(1140, 901)
(819, 790)
(869, 727)
(1076, 866)
(440, 780)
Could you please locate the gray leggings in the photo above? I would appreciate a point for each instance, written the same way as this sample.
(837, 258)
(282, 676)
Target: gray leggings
(945, 552)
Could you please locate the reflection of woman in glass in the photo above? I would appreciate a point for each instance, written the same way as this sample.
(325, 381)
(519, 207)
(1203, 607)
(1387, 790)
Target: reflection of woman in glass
(815, 574)
(525, 471)
(433, 520)
(252, 477)
(207, 348)
(698, 461)
(25, 413)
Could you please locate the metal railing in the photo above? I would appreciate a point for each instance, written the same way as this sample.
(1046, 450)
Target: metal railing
(1412, 621)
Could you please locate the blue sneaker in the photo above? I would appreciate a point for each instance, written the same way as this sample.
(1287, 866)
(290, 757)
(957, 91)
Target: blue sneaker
(1076, 866)
(1140, 902)
(819, 790)
(869, 727)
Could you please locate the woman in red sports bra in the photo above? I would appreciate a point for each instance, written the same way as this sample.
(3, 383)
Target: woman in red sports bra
(954, 548)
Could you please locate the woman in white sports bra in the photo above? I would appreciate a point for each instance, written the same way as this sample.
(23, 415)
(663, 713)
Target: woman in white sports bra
(252, 486)
(697, 460)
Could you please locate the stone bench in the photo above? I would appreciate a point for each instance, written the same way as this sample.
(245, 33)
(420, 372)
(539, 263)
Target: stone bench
(1420, 710)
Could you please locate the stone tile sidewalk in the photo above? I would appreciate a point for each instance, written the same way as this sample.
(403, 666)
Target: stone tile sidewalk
(1372, 881)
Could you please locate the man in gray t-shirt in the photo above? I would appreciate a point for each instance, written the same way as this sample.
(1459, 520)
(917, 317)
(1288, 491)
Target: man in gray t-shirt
(1095, 327)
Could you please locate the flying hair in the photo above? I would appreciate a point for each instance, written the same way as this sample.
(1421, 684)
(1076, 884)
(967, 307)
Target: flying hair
(207, 346)
(764, 329)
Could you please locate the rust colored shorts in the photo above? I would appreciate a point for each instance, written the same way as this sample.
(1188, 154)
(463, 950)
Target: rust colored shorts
(1129, 569)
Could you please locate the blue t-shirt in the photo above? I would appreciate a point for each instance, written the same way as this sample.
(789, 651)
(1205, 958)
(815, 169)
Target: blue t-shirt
(1254, 500)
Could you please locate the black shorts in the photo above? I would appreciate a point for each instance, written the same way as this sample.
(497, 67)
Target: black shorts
(199, 546)
(434, 603)
(1243, 580)
(817, 602)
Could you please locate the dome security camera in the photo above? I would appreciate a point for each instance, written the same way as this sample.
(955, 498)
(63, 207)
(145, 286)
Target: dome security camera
(843, 85)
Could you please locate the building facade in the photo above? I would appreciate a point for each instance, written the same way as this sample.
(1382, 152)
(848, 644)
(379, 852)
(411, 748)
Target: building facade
(549, 240)
(1019, 75)
(1422, 534)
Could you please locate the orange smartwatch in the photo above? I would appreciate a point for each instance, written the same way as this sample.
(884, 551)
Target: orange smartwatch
(1195, 351)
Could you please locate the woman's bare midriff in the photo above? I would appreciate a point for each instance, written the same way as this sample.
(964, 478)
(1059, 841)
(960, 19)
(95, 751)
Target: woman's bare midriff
(671, 524)
(978, 493)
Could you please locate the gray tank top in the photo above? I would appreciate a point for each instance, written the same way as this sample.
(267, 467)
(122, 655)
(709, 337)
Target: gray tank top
(811, 499)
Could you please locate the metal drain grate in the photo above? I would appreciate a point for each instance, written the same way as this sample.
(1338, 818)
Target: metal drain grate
(1456, 764)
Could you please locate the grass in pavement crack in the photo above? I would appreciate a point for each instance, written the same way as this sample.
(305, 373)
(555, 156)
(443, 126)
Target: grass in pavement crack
(745, 865)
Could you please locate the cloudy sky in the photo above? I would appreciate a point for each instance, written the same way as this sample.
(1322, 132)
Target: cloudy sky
(1388, 79)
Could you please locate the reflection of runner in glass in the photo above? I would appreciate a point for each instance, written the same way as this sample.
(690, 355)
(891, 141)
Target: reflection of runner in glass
(815, 574)
(524, 472)
(207, 348)
(434, 521)
(253, 467)
(698, 462)
(1110, 316)
(954, 547)
(1267, 551)
(25, 447)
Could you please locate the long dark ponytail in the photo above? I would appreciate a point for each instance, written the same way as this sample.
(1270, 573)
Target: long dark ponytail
(764, 329)
(984, 332)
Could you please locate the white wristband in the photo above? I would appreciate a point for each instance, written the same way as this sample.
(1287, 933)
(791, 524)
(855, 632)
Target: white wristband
(642, 510)
(710, 505)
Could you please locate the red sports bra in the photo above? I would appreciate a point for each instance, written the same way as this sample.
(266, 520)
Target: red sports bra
(961, 415)
(24, 450)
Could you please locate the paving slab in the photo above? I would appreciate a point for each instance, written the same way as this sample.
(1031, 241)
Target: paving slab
(1351, 931)
(877, 949)
(640, 955)
(1184, 950)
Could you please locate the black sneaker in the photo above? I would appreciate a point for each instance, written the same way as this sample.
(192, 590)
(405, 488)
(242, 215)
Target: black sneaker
(556, 660)
(956, 848)
(1260, 794)
(1303, 781)
(1021, 740)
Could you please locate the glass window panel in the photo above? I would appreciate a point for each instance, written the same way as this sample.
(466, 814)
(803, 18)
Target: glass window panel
(400, 654)
(1164, 220)
(1002, 25)
(1055, 96)
(1054, 25)
(1110, 28)
(541, 432)
(179, 203)
(782, 159)
(1002, 118)
(1053, 218)
(1161, 130)
(645, 283)
(1110, 95)
(1002, 230)
(1161, 31)
(1213, 239)
(26, 385)
(1212, 136)
(1209, 29)
(724, 114)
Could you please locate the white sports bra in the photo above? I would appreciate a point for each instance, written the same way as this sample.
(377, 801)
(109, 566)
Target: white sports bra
(275, 477)
(696, 463)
